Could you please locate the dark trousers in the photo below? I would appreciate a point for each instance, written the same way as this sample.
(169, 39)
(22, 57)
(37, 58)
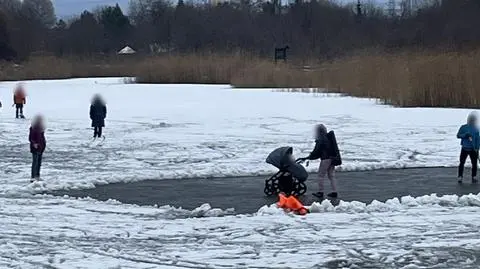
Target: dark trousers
(97, 131)
(36, 164)
(473, 158)
(19, 110)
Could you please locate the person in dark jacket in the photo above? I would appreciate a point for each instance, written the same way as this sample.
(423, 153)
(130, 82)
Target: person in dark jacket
(324, 150)
(37, 145)
(98, 113)
(470, 141)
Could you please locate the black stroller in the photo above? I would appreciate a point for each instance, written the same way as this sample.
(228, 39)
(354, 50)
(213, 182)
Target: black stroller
(291, 177)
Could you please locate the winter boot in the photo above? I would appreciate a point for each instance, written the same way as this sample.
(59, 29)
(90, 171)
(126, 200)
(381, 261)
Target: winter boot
(333, 195)
(319, 195)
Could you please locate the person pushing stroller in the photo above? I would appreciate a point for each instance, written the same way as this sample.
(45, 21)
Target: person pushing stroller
(98, 113)
(470, 141)
(326, 149)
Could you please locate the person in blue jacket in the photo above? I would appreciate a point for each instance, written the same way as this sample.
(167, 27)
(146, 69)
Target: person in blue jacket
(470, 142)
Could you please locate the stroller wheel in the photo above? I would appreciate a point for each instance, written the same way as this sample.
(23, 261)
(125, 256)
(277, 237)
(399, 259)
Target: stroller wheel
(301, 188)
(268, 191)
(270, 187)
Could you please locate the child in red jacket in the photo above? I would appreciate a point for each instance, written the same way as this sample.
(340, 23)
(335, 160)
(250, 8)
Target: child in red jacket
(19, 100)
(37, 145)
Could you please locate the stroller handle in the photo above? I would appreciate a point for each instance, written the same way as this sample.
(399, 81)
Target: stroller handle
(301, 161)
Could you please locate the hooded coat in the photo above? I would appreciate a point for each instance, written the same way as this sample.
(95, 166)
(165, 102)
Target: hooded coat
(98, 113)
(37, 137)
(323, 146)
(469, 134)
(19, 97)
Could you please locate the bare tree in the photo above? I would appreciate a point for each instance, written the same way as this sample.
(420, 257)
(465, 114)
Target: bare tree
(41, 10)
(10, 5)
(320, 28)
(6, 50)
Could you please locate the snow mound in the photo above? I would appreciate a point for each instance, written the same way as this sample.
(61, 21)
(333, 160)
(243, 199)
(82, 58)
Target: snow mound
(394, 204)
(112, 206)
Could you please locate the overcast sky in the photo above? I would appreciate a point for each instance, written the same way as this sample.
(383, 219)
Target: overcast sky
(66, 8)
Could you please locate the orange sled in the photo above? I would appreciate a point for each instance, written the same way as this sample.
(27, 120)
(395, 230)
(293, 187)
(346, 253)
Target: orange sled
(292, 204)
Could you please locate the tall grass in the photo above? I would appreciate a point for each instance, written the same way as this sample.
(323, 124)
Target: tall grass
(49, 67)
(404, 79)
(203, 69)
(419, 79)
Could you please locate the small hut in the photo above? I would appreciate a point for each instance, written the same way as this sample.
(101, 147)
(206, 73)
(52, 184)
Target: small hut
(126, 51)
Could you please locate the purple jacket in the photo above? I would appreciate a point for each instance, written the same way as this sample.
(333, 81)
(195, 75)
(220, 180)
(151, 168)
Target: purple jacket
(37, 137)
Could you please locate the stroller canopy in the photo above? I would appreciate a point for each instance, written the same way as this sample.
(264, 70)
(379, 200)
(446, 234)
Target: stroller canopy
(282, 159)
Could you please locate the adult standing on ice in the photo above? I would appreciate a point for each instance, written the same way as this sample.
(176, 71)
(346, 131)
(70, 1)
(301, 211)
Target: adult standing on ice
(326, 149)
(37, 145)
(470, 141)
(98, 113)
(19, 100)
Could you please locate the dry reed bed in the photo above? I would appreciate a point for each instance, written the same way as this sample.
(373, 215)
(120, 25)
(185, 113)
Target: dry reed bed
(49, 67)
(202, 69)
(404, 79)
(407, 80)
(429, 80)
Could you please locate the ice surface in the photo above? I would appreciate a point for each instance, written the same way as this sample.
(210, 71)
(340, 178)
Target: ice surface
(175, 131)
(178, 131)
(62, 232)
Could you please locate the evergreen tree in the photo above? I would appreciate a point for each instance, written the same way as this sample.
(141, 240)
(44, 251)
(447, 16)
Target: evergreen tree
(6, 51)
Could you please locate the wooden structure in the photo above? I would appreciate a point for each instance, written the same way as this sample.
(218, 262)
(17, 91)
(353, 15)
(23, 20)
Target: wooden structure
(281, 54)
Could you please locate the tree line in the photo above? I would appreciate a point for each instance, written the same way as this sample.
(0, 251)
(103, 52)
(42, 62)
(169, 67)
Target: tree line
(318, 28)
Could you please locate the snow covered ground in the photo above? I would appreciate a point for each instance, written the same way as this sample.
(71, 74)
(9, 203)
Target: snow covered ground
(427, 232)
(177, 131)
